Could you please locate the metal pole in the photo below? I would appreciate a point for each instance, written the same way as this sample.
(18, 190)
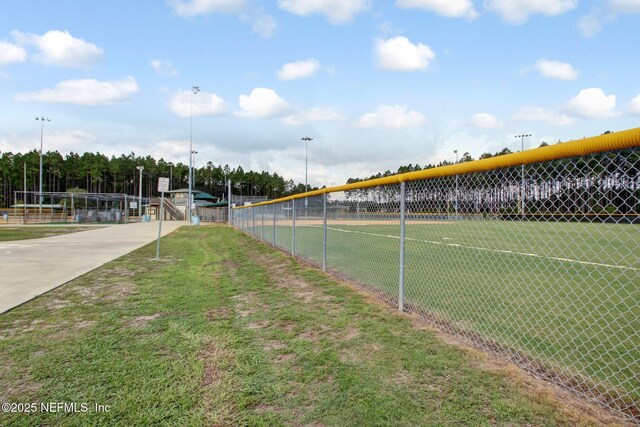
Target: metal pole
(522, 181)
(24, 195)
(194, 90)
(522, 137)
(456, 199)
(274, 225)
(140, 168)
(324, 232)
(229, 204)
(402, 224)
(306, 140)
(262, 224)
(293, 228)
(40, 190)
(160, 225)
(253, 217)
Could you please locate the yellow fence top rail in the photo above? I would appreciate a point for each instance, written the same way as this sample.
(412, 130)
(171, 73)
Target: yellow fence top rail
(583, 147)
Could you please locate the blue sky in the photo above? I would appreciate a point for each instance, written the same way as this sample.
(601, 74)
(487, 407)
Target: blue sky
(377, 84)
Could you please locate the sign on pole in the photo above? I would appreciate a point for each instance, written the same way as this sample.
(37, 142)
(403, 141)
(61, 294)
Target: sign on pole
(163, 185)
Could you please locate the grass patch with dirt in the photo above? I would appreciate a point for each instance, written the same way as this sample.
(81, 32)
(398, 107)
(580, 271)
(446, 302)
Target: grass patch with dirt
(9, 233)
(226, 331)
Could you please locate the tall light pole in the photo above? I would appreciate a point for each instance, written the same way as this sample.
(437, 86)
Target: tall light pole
(522, 137)
(306, 140)
(171, 175)
(193, 180)
(456, 151)
(194, 91)
(42, 120)
(140, 168)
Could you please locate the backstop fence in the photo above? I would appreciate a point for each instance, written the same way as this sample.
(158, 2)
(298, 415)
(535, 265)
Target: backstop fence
(533, 256)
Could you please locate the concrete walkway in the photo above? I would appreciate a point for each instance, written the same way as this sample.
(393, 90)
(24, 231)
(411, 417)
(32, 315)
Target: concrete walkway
(29, 268)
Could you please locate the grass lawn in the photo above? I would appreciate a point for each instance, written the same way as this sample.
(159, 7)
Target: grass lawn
(225, 331)
(566, 295)
(8, 233)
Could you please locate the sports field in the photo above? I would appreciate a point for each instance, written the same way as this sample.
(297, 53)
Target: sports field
(559, 297)
(224, 331)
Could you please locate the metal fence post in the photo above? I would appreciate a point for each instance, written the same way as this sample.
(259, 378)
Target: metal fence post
(324, 232)
(229, 210)
(253, 217)
(262, 208)
(293, 228)
(274, 225)
(402, 223)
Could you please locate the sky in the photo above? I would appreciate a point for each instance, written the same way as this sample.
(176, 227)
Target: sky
(376, 84)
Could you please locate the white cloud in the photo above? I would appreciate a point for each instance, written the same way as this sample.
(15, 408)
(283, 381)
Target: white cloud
(590, 25)
(518, 11)
(262, 103)
(556, 69)
(11, 54)
(593, 103)
(594, 22)
(66, 141)
(262, 23)
(626, 7)
(299, 69)
(486, 121)
(338, 12)
(164, 68)
(634, 106)
(204, 7)
(399, 54)
(185, 103)
(391, 117)
(317, 114)
(446, 8)
(539, 114)
(84, 92)
(73, 140)
(59, 48)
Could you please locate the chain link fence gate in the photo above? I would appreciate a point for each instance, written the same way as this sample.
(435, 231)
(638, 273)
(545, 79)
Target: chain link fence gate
(535, 261)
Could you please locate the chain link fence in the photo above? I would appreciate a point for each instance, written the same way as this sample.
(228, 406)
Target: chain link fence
(31, 207)
(537, 263)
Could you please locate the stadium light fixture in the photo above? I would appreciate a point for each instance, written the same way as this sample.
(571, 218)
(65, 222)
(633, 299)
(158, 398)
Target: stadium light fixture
(41, 119)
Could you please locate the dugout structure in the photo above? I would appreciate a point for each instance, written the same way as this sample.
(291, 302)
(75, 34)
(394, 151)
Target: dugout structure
(31, 207)
(533, 256)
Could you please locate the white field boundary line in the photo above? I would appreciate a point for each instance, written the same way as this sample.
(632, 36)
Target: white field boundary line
(479, 248)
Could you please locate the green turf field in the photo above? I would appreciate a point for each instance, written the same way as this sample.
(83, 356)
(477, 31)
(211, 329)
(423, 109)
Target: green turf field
(562, 297)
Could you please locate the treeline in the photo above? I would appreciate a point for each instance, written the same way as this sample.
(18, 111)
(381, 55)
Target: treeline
(466, 157)
(607, 183)
(98, 173)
